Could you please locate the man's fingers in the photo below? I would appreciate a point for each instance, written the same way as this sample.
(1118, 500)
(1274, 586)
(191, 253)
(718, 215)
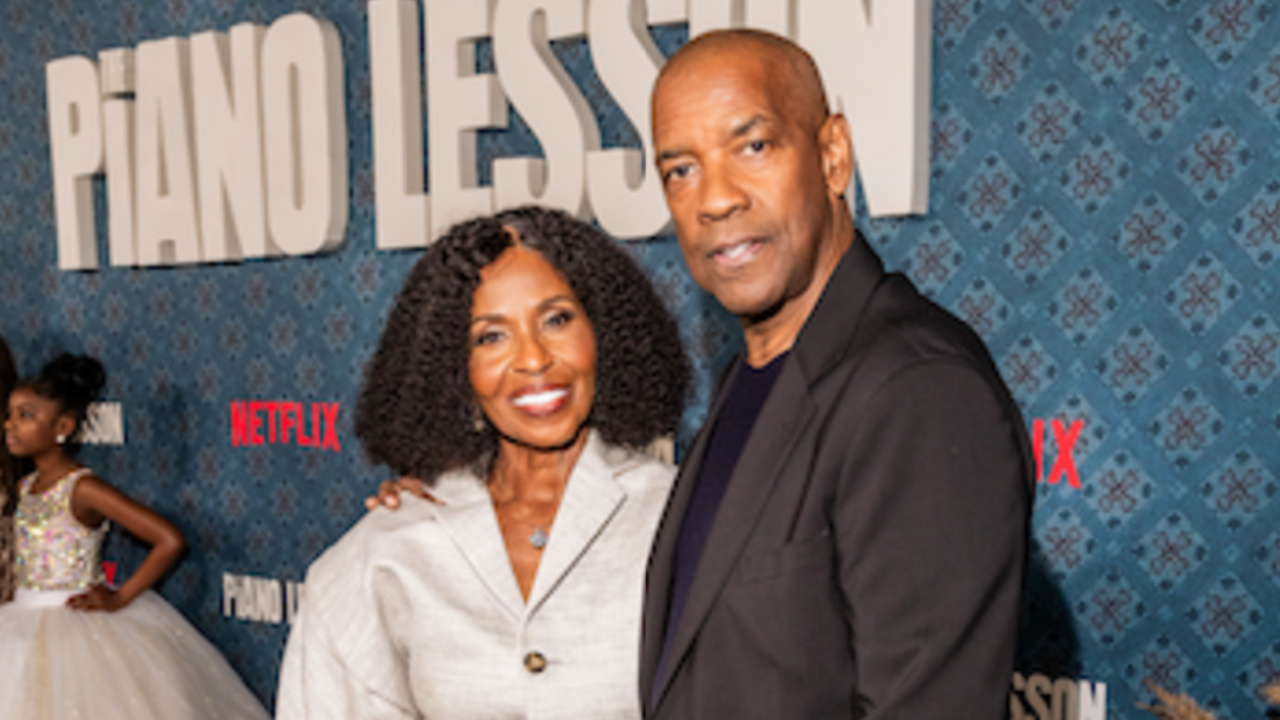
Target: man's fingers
(389, 494)
(417, 487)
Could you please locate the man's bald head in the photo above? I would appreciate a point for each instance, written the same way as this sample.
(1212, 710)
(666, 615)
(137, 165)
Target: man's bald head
(788, 70)
(754, 169)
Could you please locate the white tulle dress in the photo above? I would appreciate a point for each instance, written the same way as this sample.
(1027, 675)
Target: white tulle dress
(143, 662)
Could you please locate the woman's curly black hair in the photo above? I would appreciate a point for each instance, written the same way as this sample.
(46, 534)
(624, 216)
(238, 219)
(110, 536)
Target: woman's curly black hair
(416, 411)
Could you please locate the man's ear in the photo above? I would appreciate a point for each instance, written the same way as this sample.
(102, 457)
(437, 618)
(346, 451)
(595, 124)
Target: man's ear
(837, 154)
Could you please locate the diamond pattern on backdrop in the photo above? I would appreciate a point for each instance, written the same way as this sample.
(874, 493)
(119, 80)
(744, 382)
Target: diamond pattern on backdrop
(1105, 212)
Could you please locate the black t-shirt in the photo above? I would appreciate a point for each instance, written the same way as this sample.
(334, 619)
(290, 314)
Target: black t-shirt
(747, 395)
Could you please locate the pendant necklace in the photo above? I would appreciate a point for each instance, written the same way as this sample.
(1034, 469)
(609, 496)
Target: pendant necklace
(539, 538)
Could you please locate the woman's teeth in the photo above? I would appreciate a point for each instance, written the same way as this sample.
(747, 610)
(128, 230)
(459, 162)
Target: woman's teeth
(545, 397)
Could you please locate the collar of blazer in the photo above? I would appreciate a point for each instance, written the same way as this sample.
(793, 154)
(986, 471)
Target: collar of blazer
(822, 342)
(592, 495)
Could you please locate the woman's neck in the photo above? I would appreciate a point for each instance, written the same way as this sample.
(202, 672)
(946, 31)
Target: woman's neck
(522, 474)
(526, 486)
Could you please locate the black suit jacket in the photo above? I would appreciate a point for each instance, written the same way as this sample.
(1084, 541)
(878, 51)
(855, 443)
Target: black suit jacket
(868, 555)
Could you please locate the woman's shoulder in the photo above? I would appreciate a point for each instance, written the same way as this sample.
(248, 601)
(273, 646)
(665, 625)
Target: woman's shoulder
(373, 535)
(652, 461)
(643, 473)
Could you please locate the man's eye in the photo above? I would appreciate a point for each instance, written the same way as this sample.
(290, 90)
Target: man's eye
(676, 172)
(756, 146)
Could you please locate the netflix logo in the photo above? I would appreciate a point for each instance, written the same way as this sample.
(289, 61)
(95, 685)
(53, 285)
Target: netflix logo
(282, 422)
(1064, 440)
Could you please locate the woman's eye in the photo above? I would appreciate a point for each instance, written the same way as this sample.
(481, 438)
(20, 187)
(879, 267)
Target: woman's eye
(756, 146)
(559, 318)
(487, 337)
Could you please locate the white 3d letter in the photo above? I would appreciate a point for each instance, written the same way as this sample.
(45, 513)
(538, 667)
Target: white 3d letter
(626, 195)
(547, 98)
(776, 16)
(403, 211)
(666, 12)
(168, 231)
(458, 102)
(228, 121)
(75, 148)
(116, 68)
(874, 56)
(305, 134)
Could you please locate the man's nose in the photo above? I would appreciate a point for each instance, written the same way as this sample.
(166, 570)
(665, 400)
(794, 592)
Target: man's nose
(720, 194)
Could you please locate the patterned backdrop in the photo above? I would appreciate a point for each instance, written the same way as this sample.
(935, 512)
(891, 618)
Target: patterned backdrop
(1105, 211)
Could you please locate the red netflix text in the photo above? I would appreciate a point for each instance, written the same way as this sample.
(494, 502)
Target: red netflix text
(1064, 439)
(282, 422)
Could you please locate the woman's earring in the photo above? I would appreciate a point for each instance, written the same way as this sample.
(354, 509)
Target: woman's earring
(62, 439)
(477, 419)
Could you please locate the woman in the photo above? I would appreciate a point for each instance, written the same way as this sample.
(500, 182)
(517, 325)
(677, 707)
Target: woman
(525, 362)
(8, 477)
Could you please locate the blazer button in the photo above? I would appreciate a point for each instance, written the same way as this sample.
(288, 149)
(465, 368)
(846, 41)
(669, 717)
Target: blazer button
(535, 662)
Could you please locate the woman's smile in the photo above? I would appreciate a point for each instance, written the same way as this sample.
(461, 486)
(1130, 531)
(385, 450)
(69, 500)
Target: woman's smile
(541, 400)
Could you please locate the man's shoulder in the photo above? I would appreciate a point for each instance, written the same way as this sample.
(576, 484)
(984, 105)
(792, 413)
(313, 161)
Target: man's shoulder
(903, 325)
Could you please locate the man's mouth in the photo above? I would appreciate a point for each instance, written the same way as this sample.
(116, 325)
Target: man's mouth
(737, 254)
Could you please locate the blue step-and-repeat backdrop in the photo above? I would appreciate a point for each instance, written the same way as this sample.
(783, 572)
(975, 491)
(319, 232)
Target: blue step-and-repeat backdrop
(1105, 211)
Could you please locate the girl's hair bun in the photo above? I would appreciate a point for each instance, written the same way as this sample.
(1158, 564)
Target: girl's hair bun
(73, 380)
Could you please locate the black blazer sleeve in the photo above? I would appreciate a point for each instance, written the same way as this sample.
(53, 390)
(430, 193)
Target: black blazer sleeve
(931, 517)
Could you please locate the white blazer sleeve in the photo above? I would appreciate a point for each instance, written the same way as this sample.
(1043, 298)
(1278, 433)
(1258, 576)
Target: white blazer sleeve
(341, 661)
(317, 684)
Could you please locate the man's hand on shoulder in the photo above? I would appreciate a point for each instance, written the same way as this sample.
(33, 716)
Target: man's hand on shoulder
(389, 493)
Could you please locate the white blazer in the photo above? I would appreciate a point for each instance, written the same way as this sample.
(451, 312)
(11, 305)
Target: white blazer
(416, 613)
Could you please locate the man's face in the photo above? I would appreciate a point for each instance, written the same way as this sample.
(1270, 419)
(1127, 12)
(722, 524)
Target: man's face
(744, 178)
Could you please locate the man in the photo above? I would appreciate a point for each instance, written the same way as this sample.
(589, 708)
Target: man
(846, 537)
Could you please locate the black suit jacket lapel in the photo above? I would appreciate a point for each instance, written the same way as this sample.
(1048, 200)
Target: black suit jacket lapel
(822, 343)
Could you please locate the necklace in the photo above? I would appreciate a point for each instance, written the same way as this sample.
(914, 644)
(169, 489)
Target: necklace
(541, 535)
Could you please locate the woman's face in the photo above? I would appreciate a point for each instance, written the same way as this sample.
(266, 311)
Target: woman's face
(533, 352)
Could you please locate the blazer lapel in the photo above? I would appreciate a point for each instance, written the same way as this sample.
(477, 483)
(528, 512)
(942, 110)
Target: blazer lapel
(822, 343)
(467, 516)
(776, 430)
(591, 497)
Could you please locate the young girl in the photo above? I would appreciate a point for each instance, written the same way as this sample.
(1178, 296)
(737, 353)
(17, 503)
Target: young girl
(73, 646)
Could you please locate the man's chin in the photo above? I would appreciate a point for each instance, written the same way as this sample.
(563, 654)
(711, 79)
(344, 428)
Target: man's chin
(752, 309)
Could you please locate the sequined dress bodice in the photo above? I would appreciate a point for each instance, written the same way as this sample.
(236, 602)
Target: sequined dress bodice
(55, 551)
